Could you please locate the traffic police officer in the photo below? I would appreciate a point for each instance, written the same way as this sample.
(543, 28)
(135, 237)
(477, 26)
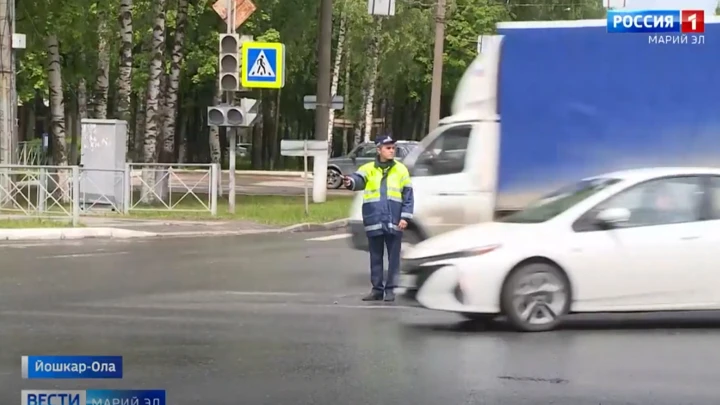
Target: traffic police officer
(387, 205)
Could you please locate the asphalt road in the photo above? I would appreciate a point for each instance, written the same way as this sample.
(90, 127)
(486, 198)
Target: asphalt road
(277, 320)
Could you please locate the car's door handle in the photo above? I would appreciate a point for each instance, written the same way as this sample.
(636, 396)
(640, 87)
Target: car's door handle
(689, 237)
(451, 194)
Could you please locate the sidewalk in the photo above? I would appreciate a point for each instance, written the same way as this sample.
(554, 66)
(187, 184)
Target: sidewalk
(119, 228)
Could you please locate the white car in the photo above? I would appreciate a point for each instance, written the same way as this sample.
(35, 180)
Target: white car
(633, 241)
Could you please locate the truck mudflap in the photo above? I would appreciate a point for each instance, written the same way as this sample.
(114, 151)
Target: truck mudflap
(358, 240)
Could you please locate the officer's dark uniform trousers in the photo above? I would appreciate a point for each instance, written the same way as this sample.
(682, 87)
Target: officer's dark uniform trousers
(387, 198)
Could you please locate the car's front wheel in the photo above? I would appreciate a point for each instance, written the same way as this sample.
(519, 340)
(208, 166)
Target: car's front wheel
(535, 297)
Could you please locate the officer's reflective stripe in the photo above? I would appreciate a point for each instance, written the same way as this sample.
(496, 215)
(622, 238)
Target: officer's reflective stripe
(371, 200)
(373, 227)
(395, 189)
(394, 227)
(406, 215)
(405, 181)
(396, 199)
(371, 195)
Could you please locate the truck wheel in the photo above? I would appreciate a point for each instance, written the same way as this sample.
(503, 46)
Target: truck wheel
(334, 179)
(535, 297)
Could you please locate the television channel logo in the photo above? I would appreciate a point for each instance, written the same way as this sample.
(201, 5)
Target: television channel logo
(53, 397)
(656, 21)
(93, 397)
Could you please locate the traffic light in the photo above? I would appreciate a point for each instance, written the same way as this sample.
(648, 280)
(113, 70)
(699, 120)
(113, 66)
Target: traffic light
(243, 115)
(250, 108)
(229, 63)
(225, 116)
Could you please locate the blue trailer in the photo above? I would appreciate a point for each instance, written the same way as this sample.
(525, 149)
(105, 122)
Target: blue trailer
(549, 103)
(575, 101)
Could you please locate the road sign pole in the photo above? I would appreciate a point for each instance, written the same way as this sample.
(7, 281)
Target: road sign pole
(231, 131)
(305, 177)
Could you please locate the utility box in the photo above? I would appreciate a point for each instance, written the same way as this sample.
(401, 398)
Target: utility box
(102, 164)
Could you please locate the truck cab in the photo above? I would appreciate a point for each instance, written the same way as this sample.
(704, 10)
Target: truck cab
(453, 170)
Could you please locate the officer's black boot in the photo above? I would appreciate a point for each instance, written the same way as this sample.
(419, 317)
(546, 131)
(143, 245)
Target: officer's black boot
(389, 295)
(373, 296)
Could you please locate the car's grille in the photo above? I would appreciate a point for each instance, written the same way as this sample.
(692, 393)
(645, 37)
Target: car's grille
(422, 273)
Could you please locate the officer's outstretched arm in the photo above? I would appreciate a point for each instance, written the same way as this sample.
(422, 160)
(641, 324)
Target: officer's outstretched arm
(408, 197)
(357, 181)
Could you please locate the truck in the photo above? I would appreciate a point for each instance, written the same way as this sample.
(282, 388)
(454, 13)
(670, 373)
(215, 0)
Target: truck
(547, 103)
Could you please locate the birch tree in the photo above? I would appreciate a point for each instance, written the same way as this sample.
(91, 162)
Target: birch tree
(153, 94)
(371, 80)
(336, 77)
(171, 107)
(124, 81)
(57, 115)
(102, 81)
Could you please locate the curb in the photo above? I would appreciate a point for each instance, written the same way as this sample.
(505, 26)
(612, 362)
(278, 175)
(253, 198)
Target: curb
(314, 227)
(119, 233)
(70, 233)
(304, 227)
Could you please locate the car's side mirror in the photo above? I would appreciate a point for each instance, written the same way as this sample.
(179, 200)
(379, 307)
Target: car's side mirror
(613, 217)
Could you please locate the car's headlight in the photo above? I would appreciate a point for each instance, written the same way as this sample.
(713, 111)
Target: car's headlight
(475, 251)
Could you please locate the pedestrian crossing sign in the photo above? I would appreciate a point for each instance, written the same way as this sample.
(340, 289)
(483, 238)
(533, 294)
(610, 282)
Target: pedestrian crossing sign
(263, 65)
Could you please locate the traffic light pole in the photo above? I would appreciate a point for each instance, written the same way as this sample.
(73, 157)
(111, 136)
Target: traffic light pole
(231, 132)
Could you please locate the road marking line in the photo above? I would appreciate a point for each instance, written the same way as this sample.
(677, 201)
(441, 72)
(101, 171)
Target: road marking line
(132, 317)
(330, 237)
(74, 255)
(25, 245)
(267, 293)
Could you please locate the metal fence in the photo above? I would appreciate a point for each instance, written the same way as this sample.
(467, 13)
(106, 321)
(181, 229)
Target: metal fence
(67, 192)
(176, 187)
(40, 191)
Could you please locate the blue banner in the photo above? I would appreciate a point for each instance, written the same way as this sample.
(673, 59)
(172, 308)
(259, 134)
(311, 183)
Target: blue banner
(72, 367)
(93, 397)
(125, 397)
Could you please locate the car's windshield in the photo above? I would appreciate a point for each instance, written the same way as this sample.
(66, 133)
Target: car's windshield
(556, 203)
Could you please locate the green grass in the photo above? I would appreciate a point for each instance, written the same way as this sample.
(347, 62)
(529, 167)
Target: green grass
(33, 223)
(271, 210)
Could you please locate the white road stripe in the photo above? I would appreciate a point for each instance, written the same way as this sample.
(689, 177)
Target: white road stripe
(330, 237)
(74, 255)
(24, 245)
(107, 317)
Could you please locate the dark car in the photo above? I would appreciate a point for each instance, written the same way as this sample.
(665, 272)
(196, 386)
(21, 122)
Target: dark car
(363, 153)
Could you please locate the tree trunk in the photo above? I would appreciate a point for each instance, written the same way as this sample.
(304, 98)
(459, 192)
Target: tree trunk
(139, 133)
(372, 79)
(124, 82)
(182, 147)
(335, 79)
(214, 136)
(153, 96)
(345, 149)
(57, 117)
(57, 106)
(102, 82)
(152, 105)
(357, 138)
(171, 107)
(81, 113)
(161, 111)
